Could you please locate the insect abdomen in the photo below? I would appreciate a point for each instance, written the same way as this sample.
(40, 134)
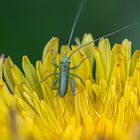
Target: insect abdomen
(63, 84)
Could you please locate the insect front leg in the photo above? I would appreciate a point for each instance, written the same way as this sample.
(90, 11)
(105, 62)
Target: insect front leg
(77, 78)
(53, 63)
(78, 64)
(72, 86)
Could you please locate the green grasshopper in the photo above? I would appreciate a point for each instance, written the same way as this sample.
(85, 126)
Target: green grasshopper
(64, 74)
(64, 67)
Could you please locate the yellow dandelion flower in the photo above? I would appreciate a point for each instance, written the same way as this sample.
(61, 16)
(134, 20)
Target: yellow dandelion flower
(107, 107)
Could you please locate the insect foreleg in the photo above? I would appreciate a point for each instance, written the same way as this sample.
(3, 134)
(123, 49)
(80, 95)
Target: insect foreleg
(77, 78)
(49, 76)
(53, 63)
(78, 64)
(72, 86)
(55, 82)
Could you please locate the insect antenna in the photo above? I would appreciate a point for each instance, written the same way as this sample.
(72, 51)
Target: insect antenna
(75, 22)
(107, 35)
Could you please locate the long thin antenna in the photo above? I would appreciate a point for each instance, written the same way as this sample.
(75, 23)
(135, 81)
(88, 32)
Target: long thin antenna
(75, 22)
(107, 35)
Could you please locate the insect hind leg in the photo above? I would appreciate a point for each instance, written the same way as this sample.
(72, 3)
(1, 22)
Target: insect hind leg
(72, 86)
(56, 80)
(77, 78)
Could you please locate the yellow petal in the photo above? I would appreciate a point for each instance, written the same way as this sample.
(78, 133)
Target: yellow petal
(31, 76)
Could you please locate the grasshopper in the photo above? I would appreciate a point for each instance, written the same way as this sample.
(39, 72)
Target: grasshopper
(64, 67)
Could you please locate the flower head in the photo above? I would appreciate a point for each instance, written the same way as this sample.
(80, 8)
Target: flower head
(107, 107)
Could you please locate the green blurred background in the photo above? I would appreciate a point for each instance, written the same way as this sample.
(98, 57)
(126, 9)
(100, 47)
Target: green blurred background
(27, 25)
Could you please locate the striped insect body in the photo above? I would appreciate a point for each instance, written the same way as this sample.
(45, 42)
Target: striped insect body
(64, 76)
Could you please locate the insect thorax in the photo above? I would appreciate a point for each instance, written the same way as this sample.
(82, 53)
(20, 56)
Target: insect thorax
(65, 64)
